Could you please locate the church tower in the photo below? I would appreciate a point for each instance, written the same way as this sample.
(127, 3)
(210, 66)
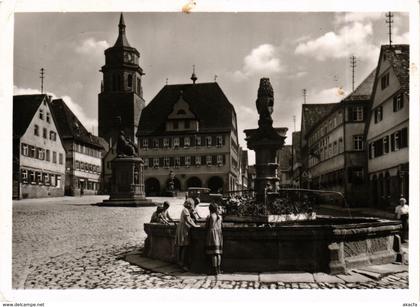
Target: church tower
(120, 101)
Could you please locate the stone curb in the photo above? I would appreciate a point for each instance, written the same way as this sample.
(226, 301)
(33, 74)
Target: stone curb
(363, 275)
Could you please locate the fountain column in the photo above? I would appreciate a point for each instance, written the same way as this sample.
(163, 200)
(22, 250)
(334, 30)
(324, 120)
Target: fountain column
(265, 141)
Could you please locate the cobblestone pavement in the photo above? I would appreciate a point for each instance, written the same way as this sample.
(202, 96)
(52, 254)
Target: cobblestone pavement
(69, 244)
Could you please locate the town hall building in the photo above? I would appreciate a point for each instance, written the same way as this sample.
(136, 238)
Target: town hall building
(191, 131)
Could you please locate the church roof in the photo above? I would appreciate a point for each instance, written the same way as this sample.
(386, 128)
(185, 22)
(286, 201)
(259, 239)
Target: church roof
(69, 126)
(206, 100)
(24, 109)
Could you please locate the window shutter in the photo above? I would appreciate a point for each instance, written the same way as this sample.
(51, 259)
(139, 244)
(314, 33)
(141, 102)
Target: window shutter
(394, 104)
(404, 138)
(392, 142)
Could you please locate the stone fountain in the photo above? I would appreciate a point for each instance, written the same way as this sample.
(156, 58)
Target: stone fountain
(255, 243)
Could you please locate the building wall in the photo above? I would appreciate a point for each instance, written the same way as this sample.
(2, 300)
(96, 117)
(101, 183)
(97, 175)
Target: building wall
(388, 169)
(42, 188)
(83, 170)
(227, 170)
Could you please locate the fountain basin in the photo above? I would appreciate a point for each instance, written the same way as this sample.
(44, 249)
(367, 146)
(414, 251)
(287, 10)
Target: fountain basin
(326, 244)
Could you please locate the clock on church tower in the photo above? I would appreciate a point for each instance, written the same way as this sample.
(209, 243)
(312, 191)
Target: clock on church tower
(120, 101)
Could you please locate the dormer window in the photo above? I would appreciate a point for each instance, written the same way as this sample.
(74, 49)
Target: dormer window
(145, 143)
(155, 143)
(187, 124)
(219, 141)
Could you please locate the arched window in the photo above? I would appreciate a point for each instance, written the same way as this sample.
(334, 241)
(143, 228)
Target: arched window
(130, 81)
(181, 112)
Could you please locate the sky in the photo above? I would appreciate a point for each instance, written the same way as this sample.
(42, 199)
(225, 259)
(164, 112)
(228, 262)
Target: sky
(295, 50)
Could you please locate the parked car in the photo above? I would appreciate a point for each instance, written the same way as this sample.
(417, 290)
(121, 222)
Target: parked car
(203, 194)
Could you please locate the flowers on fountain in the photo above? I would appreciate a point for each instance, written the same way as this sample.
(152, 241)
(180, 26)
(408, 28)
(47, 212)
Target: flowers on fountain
(280, 205)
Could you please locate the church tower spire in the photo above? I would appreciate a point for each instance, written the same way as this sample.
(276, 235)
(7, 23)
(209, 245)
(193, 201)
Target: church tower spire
(122, 39)
(120, 101)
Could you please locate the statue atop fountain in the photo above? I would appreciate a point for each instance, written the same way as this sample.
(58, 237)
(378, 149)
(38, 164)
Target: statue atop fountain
(265, 141)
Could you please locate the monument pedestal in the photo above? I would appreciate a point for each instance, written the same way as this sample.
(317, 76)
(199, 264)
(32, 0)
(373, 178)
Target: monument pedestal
(265, 142)
(127, 185)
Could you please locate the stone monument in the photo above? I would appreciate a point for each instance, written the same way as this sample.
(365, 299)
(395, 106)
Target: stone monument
(127, 183)
(265, 141)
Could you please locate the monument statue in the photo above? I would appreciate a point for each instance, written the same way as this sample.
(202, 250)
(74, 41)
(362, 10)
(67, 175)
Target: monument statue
(126, 147)
(266, 140)
(265, 103)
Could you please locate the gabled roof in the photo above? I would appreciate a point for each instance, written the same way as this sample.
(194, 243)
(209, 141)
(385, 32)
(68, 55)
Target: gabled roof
(69, 126)
(206, 100)
(399, 57)
(364, 90)
(312, 113)
(24, 109)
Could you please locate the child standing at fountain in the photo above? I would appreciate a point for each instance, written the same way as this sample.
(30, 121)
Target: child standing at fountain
(214, 241)
(182, 239)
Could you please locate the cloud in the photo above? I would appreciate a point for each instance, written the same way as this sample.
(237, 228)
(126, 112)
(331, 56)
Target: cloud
(354, 39)
(92, 46)
(329, 95)
(297, 75)
(341, 18)
(87, 122)
(261, 60)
